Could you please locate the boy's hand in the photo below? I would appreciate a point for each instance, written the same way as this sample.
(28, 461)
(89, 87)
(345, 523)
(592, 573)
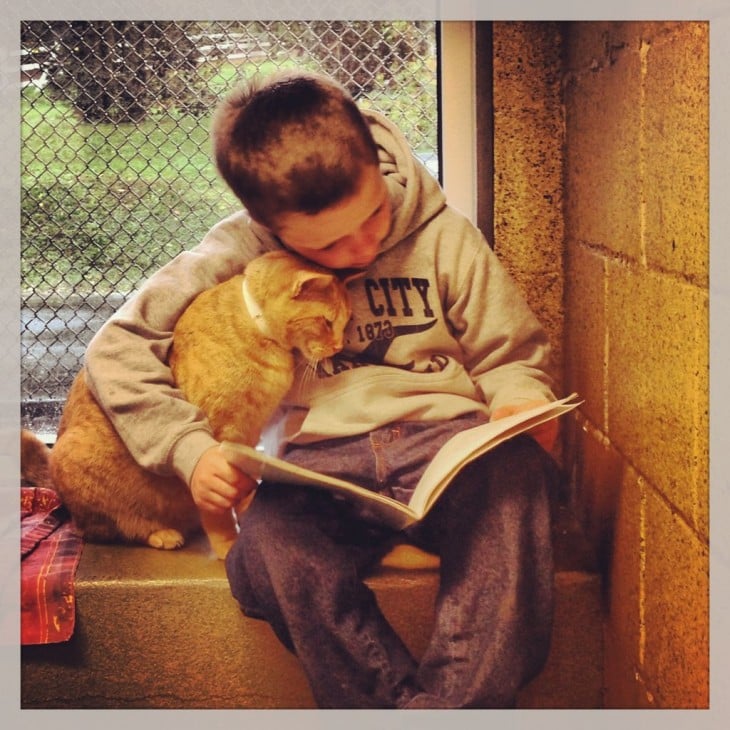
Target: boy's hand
(545, 434)
(216, 485)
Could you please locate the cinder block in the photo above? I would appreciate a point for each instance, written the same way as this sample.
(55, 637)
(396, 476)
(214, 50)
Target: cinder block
(598, 474)
(544, 294)
(528, 145)
(585, 359)
(524, 53)
(677, 150)
(528, 190)
(676, 613)
(657, 386)
(528, 161)
(624, 621)
(603, 153)
(593, 46)
(528, 186)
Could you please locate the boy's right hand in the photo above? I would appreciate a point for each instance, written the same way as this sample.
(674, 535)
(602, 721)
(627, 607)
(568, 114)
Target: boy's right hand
(216, 485)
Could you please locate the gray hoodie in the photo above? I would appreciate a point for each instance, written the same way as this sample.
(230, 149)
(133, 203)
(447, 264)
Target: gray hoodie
(438, 330)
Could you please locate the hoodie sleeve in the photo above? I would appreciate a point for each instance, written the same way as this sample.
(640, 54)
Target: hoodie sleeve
(506, 350)
(126, 361)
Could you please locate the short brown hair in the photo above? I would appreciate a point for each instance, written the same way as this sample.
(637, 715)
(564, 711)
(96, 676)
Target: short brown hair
(292, 142)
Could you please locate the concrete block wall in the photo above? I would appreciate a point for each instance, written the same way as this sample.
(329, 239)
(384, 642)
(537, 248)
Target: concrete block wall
(528, 167)
(601, 215)
(636, 326)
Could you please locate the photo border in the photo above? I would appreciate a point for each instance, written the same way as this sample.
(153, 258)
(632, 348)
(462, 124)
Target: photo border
(718, 13)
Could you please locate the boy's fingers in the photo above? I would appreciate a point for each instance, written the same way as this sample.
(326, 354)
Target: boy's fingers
(240, 483)
(221, 496)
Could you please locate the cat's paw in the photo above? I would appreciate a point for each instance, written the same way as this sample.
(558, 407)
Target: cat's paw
(166, 539)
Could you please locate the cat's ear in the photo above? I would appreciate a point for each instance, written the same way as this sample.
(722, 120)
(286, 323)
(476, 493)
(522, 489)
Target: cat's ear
(310, 281)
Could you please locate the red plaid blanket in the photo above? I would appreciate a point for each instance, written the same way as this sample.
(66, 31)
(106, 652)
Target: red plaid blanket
(50, 549)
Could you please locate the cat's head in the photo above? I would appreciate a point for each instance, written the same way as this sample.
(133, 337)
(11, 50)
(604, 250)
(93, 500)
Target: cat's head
(306, 307)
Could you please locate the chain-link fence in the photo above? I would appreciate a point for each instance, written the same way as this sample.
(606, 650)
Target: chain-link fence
(116, 169)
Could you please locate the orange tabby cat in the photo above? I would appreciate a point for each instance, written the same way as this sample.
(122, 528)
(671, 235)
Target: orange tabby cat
(232, 356)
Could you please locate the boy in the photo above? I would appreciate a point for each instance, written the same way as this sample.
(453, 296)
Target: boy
(440, 340)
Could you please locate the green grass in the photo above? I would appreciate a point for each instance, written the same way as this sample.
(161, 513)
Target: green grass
(56, 144)
(105, 205)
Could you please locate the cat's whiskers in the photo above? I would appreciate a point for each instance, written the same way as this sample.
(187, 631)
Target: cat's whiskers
(307, 373)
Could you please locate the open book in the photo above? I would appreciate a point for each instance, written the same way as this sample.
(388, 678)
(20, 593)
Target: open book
(453, 456)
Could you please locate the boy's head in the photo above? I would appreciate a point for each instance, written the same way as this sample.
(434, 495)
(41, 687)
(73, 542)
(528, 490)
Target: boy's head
(299, 155)
(294, 142)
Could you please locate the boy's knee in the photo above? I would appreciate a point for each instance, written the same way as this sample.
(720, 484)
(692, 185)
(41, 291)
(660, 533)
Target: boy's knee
(518, 468)
(522, 447)
(522, 457)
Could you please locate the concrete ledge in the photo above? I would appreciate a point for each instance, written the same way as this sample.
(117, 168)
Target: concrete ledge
(161, 630)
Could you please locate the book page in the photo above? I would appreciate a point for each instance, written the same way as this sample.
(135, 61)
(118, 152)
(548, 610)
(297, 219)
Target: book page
(470, 444)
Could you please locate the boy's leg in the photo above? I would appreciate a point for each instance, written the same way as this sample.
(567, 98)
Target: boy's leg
(298, 562)
(494, 608)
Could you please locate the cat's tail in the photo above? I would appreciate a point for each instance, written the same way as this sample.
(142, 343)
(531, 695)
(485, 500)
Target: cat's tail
(34, 461)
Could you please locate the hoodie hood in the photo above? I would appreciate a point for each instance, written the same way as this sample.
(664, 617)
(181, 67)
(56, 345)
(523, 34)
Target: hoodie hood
(415, 194)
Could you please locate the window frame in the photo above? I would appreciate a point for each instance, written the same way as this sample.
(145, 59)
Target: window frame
(465, 117)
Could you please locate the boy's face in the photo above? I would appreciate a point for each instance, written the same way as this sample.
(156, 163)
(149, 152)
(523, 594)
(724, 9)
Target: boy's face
(346, 235)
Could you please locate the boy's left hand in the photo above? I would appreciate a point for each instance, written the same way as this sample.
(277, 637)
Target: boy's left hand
(545, 434)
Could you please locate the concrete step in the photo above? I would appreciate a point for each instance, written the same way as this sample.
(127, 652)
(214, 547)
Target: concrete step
(161, 630)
